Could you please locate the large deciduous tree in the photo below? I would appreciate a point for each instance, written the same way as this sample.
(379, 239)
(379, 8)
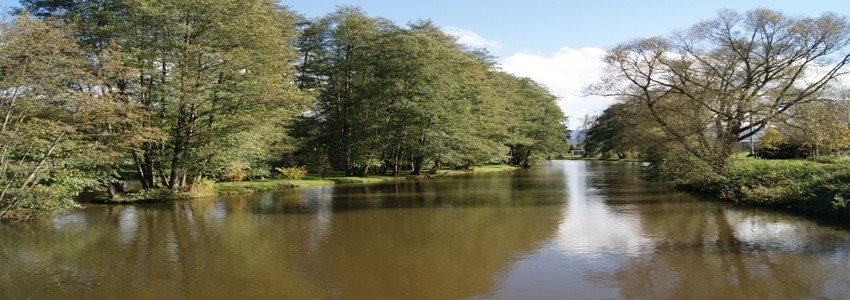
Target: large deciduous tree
(393, 96)
(61, 127)
(214, 70)
(535, 123)
(822, 125)
(215, 76)
(725, 79)
(623, 130)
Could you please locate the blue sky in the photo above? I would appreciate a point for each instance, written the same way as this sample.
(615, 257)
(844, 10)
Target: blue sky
(542, 27)
(557, 43)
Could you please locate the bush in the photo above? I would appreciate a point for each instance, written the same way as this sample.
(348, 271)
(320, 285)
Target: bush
(234, 174)
(293, 173)
(149, 195)
(36, 202)
(798, 185)
(204, 187)
(673, 164)
(784, 151)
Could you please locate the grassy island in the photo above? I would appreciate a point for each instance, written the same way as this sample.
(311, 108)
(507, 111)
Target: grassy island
(806, 186)
(211, 188)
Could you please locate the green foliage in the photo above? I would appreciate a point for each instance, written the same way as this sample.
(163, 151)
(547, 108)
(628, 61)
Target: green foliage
(822, 125)
(205, 186)
(832, 159)
(771, 139)
(148, 195)
(707, 87)
(292, 173)
(40, 200)
(178, 90)
(622, 130)
(393, 97)
(798, 185)
(58, 134)
(234, 174)
(534, 122)
(667, 161)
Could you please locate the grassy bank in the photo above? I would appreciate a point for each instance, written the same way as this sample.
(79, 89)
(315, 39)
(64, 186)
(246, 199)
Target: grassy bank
(310, 180)
(805, 186)
(234, 188)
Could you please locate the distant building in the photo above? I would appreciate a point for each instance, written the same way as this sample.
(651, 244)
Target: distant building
(750, 144)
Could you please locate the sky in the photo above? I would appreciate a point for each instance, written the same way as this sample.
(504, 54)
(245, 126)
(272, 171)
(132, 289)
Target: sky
(558, 43)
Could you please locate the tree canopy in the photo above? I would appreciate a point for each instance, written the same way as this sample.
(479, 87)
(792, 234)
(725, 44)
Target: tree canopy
(725, 79)
(170, 92)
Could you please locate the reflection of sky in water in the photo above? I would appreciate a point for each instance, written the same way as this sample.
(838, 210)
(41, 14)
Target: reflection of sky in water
(615, 237)
(605, 250)
(218, 213)
(589, 228)
(70, 221)
(319, 201)
(128, 224)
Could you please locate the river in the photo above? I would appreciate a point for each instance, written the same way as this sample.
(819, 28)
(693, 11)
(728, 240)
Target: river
(567, 230)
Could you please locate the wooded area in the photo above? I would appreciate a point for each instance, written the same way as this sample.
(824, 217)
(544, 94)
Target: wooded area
(689, 100)
(174, 91)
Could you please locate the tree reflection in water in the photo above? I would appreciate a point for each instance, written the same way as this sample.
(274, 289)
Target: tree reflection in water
(571, 229)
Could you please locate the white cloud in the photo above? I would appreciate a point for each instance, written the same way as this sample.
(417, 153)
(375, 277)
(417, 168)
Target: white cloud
(565, 73)
(470, 38)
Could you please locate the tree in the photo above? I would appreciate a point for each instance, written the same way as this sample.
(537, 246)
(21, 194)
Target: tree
(725, 79)
(821, 124)
(393, 97)
(60, 125)
(214, 76)
(215, 73)
(771, 139)
(622, 129)
(536, 125)
(434, 86)
(335, 51)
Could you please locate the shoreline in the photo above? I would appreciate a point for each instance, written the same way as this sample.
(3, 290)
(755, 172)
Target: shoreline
(273, 184)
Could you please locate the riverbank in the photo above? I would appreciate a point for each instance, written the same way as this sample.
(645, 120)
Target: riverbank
(310, 180)
(820, 188)
(796, 185)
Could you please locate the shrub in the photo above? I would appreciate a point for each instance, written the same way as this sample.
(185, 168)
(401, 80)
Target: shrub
(234, 174)
(293, 173)
(204, 187)
(798, 185)
(784, 151)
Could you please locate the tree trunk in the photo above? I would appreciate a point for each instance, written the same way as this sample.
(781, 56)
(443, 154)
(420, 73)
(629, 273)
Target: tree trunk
(437, 165)
(364, 171)
(176, 159)
(177, 154)
(417, 165)
(141, 171)
(110, 190)
(396, 169)
(527, 160)
(148, 168)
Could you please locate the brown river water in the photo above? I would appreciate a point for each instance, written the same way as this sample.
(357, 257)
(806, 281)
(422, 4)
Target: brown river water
(567, 230)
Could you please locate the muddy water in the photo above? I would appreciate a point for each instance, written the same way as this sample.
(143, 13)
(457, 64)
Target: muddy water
(571, 229)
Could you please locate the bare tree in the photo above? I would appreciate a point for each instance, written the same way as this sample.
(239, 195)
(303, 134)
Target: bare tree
(725, 79)
(822, 125)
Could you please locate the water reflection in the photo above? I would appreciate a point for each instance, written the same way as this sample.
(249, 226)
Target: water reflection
(438, 239)
(624, 238)
(570, 230)
(590, 227)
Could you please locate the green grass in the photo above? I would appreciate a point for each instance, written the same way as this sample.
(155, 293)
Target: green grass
(243, 187)
(806, 186)
(311, 180)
